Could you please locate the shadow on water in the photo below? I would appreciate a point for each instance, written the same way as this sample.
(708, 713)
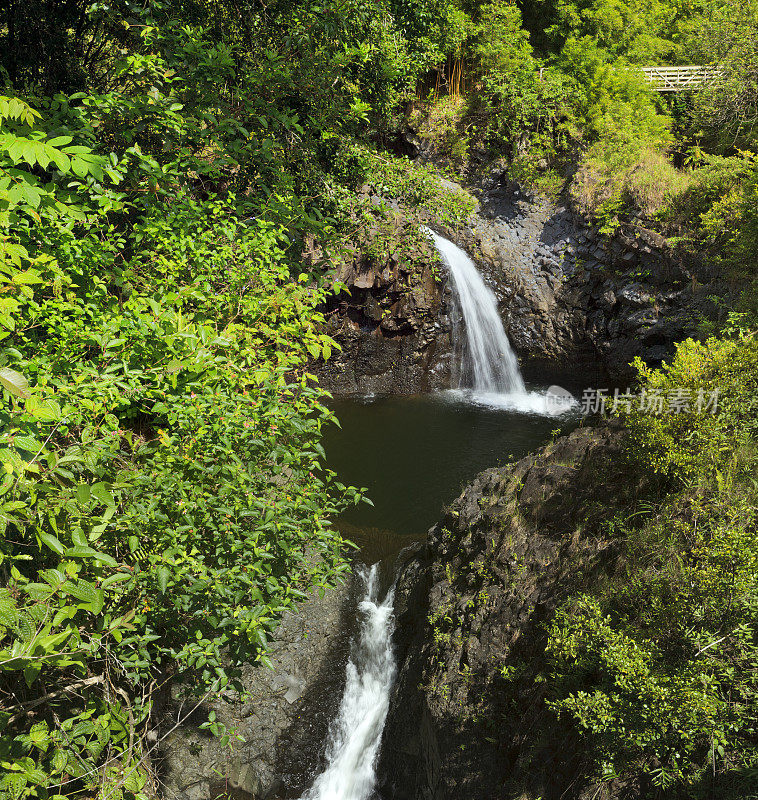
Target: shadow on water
(414, 455)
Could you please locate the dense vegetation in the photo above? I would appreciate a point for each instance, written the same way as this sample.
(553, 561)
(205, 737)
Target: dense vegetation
(163, 491)
(177, 178)
(554, 88)
(658, 666)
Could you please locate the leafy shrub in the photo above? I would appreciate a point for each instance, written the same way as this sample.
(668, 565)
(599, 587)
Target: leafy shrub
(170, 432)
(657, 667)
(697, 443)
(163, 497)
(715, 185)
(613, 182)
(515, 97)
(682, 708)
(419, 188)
(440, 126)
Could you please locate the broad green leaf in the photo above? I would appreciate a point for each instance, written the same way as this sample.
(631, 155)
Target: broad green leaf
(8, 610)
(31, 672)
(29, 276)
(43, 410)
(27, 443)
(163, 574)
(88, 552)
(113, 579)
(83, 493)
(14, 382)
(59, 141)
(102, 494)
(52, 542)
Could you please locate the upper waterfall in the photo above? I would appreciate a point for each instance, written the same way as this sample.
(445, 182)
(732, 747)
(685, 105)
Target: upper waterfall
(488, 364)
(487, 368)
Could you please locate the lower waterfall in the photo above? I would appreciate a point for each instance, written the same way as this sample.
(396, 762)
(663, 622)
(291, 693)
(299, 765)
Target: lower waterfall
(356, 732)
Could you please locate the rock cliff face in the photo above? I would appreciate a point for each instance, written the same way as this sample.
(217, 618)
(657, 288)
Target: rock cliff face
(393, 324)
(468, 717)
(569, 295)
(283, 717)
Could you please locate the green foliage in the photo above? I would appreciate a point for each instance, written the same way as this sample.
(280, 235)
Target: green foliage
(613, 101)
(434, 30)
(644, 33)
(728, 37)
(688, 712)
(168, 453)
(442, 128)
(164, 168)
(163, 496)
(657, 668)
(712, 196)
(615, 182)
(420, 189)
(625, 169)
(698, 442)
(502, 46)
(25, 198)
(517, 98)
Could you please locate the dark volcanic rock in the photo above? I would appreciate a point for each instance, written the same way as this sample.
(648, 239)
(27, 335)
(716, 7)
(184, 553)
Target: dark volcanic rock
(570, 296)
(393, 325)
(283, 717)
(468, 717)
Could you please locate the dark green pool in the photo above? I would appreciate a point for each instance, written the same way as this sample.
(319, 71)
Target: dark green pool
(415, 454)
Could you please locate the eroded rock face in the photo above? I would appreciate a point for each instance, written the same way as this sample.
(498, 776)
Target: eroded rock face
(467, 718)
(393, 325)
(284, 720)
(570, 296)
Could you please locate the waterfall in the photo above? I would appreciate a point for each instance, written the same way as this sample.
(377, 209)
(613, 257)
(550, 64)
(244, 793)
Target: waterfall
(488, 370)
(356, 732)
(488, 363)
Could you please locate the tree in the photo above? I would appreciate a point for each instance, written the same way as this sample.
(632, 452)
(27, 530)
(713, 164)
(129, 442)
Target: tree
(728, 40)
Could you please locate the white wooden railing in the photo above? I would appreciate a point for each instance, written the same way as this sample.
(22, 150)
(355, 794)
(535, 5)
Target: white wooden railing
(680, 79)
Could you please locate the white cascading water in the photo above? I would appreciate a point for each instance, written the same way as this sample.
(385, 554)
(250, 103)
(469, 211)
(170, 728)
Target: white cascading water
(356, 732)
(489, 364)
(488, 370)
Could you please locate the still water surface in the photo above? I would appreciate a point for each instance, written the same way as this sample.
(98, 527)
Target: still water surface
(415, 455)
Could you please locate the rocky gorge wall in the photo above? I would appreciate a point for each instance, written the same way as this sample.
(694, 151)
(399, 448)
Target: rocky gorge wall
(283, 716)
(467, 716)
(571, 299)
(392, 323)
(570, 295)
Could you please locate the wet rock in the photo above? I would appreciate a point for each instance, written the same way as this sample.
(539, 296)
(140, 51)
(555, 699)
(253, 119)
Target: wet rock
(590, 289)
(607, 300)
(468, 717)
(389, 324)
(635, 295)
(283, 715)
(567, 295)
